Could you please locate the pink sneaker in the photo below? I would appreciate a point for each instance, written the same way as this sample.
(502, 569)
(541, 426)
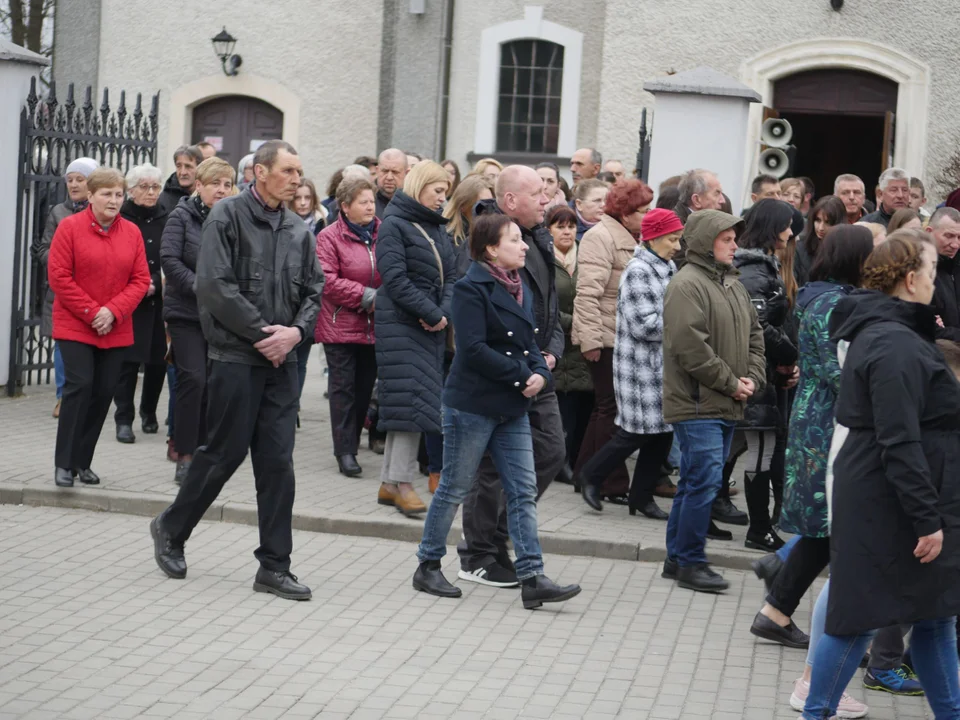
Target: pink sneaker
(849, 707)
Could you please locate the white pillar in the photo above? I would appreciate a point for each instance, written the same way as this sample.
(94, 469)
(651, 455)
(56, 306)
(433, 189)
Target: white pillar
(17, 66)
(701, 121)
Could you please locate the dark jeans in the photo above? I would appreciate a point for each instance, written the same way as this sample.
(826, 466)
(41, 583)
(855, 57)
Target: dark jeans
(90, 379)
(484, 510)
(654, 450)
(703, 446)
(434, 443)
(154, 376)
(602, 426)
(190, 356)
(353, 372)
(804, 563)
(303, 355)
(255, 408)
(171, 399)
(575, 410)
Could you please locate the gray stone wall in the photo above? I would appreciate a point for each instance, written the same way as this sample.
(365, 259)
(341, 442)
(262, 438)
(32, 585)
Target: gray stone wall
(76, 45)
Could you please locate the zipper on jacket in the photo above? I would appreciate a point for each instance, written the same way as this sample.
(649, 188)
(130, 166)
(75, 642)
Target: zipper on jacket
(336, 312)
(373, 279)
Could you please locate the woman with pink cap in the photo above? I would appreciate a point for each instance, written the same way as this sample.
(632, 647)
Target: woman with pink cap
(638, 369)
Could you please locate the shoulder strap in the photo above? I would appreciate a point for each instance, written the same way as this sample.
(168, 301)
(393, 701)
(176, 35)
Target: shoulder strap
(433, 246)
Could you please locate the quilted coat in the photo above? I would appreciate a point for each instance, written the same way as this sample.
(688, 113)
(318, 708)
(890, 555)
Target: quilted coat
(417, 275)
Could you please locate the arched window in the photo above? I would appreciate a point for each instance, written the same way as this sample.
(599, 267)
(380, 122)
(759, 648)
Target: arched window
(531, 81)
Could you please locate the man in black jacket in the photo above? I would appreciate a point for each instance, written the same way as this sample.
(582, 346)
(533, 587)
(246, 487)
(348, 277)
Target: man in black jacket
(258, 288)
(483, 551)
(391, 172)
(894, 194)
(182, 182)
(945, 227)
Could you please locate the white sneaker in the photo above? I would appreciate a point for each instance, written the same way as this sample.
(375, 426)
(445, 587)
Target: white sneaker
(493, 575)
(849, 707)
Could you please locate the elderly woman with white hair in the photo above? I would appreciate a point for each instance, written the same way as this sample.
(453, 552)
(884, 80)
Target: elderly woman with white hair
(144, 183)
(245, 171)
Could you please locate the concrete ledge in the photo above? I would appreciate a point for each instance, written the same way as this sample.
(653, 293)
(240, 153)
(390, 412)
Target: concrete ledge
(399, 528)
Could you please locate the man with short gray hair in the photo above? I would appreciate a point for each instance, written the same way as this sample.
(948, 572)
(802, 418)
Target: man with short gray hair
(852, 192)
(894, 194)
(699, 190)
(585, 164)
(944, 226)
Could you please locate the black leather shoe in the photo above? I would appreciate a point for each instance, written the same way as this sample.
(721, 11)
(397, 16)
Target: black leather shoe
(768, 542)
(715, 533)
(540, 589)
(281, 583)
(724, 511)
(63, 477)
(183, 467)
(767, 568)
(429, 579)
(591, 496)
(790, 636)
(618, 499)
(670, 568)
(169, 555)
(651, 510)
(88, 477)
(125, 434)
(565, 475)
(348, 465)
(149, 423)
(701, 578)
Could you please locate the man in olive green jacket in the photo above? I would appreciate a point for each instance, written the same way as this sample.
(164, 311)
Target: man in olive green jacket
(712, 362)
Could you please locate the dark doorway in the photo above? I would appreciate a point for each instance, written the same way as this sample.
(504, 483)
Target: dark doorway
(233, 122)
(830, 145)
(842, 123)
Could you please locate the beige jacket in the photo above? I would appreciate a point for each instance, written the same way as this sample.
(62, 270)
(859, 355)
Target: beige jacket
(605, 250)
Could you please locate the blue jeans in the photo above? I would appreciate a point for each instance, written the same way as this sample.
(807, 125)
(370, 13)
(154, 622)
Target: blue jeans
(934, 654)
(674, 458)
(783, 552)
(818, 622)
(704, 446)
(466, 437)
(172, 392)
(58, 375)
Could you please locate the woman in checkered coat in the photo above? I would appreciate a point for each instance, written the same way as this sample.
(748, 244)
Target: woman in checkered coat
(638, 369)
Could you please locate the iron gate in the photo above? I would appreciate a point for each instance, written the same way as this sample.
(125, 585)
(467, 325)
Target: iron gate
(52, 135)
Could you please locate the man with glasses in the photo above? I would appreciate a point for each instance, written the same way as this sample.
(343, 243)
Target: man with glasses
(182, 181)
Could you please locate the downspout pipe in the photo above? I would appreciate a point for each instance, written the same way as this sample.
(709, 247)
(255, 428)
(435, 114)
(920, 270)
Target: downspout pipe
(443, 82)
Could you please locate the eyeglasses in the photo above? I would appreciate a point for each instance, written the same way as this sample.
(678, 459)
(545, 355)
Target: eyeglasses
(148, 188)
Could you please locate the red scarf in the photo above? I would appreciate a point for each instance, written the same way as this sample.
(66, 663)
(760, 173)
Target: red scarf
(509, 279)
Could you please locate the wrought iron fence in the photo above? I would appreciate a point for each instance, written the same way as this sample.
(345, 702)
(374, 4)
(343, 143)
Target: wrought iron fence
(52, 135)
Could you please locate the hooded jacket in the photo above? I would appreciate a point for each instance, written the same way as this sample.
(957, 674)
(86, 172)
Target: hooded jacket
(895, 477)
(711, 334)
(173, 192)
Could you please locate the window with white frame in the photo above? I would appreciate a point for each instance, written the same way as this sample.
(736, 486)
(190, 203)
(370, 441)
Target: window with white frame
(531, 82)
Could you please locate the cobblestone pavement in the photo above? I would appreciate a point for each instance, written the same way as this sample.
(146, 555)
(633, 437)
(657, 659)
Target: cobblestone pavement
(90, 628)
(29, 431)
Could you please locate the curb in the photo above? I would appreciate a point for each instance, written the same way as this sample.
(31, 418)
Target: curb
(151, 504)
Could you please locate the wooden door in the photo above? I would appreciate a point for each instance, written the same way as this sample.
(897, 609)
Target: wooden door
(234, 122)
(889, 128)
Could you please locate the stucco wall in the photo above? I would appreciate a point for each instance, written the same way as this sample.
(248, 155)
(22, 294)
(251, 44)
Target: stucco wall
(647, 39)
(326, 52)
(471, 18)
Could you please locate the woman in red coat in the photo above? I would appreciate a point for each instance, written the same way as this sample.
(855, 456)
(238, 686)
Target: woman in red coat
(346, 250)
(98, 272)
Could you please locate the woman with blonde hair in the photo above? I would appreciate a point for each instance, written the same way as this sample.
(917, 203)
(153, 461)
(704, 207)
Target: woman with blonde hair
(459, 210)
(489, 168)
(878, 231)
(904, 219)
(791, 191)
(417, 269)
(179, 247)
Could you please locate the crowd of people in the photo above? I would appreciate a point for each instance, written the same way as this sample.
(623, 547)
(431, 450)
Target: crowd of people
(499, 331)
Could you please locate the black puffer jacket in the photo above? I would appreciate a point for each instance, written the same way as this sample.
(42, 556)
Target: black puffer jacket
(178, 257)
(255, 268)
(172, 193)
(149, 338)
(895, 477)
(760, 275)
(946, 297)
(418, 276)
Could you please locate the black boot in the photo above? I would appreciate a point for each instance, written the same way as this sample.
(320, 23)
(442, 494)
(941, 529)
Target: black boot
(149, 423)
(88, 477)
(701, 578)
(565, 475)
(281, 583)
(715, 533)
(767, 568)
(724, 511)
(540, 589)
(429, 579)
(651, 510)
(348, 465)
(591, 496)
(63, 477)
(167, 553)
(183, 467)
(125, 434)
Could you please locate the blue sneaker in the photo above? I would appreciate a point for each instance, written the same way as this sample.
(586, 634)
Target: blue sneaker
(897, 682)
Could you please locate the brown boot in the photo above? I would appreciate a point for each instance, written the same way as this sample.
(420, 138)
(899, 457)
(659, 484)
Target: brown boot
(433, 483)
(408, 502)
(56, 409)
(172, 454)
(387, 494)
(666, 490)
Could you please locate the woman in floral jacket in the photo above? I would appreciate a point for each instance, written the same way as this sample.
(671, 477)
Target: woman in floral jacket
(835, 273)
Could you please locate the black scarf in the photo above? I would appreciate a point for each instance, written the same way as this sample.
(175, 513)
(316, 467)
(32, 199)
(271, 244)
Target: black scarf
(201, 208)
(364, 232)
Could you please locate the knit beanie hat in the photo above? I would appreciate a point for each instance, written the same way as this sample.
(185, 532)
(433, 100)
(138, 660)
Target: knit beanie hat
(659, 222)
(82, 165)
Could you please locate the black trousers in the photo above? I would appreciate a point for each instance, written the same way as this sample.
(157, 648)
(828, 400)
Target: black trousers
(190, 357)
(485, 508)
(352, 371)
(602, 423)
(154, 376)
(90, 379)
(806, 560)
(654, 450)
(251, 407)
(575, 410)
